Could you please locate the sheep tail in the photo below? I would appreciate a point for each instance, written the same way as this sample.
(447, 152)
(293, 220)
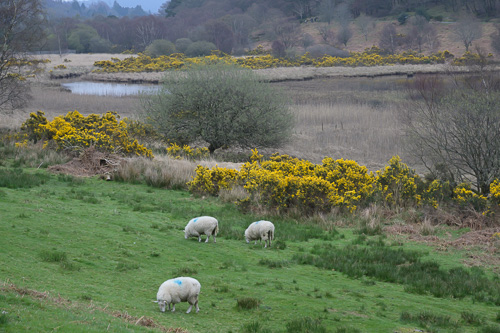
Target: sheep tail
(216, 230)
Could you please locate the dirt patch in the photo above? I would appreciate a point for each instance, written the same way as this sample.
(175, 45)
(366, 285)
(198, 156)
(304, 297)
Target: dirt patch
(90, 163)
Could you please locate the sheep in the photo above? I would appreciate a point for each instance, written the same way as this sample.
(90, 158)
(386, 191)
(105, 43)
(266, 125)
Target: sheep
(180, 289)
(260, 230)
(202, 225)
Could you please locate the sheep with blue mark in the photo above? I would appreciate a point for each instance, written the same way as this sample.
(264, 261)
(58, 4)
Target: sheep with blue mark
(202, 225)
(260, 230)
(180, 289)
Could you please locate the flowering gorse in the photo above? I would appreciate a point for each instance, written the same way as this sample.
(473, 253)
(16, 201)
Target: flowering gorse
(75, 132)
(259, 60)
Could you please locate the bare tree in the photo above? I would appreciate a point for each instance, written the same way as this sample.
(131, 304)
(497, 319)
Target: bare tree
(455, 132)
(148, 30)
(21, 27)
(287, 31)
(422, 33)
(365, 24)
(344, 34)
(326, 33)
(388, 38)
(467, 30)
(495, 39)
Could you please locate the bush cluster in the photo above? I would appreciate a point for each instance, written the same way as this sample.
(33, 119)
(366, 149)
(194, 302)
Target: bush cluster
(370, 57)
(283, 184)
(75, 132)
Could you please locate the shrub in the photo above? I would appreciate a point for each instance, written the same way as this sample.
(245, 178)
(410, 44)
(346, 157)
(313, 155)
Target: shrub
(182, 44)
(201, 48)
(321, 50)
(74, 133)
(160, 47)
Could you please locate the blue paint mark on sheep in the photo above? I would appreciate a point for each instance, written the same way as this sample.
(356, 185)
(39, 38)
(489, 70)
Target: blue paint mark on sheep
(179, 282)
(194, 220)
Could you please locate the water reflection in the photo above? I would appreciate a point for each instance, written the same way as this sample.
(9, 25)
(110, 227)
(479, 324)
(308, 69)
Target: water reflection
(109, 89)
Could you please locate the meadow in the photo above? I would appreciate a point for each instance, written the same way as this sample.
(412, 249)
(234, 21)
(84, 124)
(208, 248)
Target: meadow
(85, 255)
(80, 254)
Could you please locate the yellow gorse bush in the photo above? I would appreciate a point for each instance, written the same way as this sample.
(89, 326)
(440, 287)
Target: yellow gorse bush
(283, 183)
(465, 197)
(397, 184)
(75, 132)
(370, 57)
(187, 152)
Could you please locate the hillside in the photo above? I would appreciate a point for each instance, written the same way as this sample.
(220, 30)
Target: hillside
(85, 255)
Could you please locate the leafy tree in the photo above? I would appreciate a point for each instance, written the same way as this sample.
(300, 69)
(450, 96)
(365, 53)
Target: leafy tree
(456, 132)
(222, 105)
(79, 39)
(21, 30)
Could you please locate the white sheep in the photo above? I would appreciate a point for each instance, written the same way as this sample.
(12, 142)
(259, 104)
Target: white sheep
(181, 289)
(260, 230)
(202, 225)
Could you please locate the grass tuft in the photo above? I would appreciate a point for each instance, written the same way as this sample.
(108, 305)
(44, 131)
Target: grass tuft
(254, 327)
(306, 324)
(53, 256)
(17, 178)
(247, 303)
(185, 271)
(274, 263)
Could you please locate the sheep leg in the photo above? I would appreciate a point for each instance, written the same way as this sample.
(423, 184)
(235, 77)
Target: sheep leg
(190, 307)
(199, 238)
(215, 241)
(197, 308)
(173, 307)
(208, 237)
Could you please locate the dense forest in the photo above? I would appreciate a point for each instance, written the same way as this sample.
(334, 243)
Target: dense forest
(287, 27)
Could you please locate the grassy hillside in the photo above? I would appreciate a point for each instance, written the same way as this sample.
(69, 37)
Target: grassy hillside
(88, 255)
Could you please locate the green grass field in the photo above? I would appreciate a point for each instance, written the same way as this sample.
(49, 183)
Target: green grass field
(85, 255)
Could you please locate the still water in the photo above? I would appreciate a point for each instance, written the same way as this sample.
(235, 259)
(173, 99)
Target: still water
(109, 89)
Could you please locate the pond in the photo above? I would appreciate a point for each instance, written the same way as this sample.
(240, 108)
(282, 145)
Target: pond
(109, 89)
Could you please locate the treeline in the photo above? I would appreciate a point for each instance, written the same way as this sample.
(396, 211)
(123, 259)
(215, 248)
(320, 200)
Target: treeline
(236, 26)
(57, 9)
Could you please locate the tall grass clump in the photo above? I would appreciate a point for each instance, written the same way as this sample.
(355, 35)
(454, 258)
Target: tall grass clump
(247, 303)
(306, 324)
(17, 178)
(254, 327)
(428, 320)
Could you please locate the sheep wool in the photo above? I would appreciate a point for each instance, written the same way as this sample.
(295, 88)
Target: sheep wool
(260, 230)
(202, 225)
(180, 289)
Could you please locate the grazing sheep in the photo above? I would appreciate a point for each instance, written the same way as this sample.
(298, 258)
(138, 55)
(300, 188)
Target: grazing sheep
(181, 289)
(202, 225)
(260, 230)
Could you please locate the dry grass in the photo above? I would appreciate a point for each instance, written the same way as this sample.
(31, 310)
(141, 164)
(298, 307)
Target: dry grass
(163, 171)
(366, 134)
